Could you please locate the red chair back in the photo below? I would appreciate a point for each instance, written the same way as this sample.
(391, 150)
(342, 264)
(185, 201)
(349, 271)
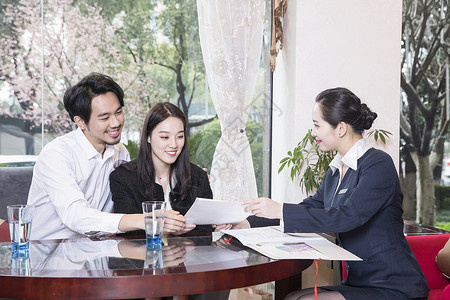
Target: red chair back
(425, 248)
(4, 232)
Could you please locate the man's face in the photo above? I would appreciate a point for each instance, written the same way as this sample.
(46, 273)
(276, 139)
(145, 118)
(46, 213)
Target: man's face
(106, 121)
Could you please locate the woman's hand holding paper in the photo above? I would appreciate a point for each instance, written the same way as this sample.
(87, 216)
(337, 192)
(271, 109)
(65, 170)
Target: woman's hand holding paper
(175, 223)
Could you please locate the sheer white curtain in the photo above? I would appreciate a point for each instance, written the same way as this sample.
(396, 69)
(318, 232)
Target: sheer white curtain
(231, 40)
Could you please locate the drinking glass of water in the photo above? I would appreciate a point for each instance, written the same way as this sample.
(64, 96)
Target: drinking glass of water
(19, 219)
(154, 222)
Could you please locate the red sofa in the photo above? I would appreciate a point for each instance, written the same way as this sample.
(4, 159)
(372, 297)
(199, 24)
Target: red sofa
(4, 232)
(425, 248)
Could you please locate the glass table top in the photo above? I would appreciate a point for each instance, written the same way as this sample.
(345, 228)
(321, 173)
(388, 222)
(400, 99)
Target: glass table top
(116, 256)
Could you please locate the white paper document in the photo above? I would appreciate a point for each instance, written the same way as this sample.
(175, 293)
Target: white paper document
(270, 241)
(211, 211)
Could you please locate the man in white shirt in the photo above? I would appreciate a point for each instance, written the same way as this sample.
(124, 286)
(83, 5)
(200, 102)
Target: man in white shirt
(70, 185)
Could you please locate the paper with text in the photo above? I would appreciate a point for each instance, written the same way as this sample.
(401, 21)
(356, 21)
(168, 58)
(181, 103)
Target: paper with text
(275, 244)
(211, 211)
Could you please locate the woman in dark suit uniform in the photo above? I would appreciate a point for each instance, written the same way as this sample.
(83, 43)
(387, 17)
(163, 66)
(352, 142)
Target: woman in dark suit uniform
(162, 172)
(360, 199)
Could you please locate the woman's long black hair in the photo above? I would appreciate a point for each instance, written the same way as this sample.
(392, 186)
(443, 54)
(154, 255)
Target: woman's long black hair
(180, 169)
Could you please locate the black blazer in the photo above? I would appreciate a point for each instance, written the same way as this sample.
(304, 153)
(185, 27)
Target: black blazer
(366, 214)
(128, 199)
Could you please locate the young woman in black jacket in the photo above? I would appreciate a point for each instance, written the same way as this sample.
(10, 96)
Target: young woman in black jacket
(162, 171)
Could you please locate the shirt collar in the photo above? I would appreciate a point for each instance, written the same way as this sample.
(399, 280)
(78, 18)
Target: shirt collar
(89, 149)
(350, 159)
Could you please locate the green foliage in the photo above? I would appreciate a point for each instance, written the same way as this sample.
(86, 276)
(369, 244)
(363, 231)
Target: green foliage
(442, 194)
(203, 144)
(313, 162)
(133, 149)
(443, 225)
(379, 134)
(161, 40)
(255, 138)
(307, 157)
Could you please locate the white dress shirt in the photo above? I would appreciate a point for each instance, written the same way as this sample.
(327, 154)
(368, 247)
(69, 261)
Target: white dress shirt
(70, 188)
(350, 159)
(79, 254)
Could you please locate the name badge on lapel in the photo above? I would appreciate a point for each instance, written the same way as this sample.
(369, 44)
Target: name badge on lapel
(343, 191)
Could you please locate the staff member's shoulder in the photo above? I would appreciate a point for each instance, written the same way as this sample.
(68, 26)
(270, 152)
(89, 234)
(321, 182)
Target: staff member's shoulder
(379, 158)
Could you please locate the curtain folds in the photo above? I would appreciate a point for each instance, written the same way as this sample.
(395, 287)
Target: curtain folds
(231, 40)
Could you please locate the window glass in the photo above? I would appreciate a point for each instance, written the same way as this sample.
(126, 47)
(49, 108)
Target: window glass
(151, 48)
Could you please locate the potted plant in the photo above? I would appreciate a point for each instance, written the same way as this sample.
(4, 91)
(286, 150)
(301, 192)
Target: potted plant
(307, 157)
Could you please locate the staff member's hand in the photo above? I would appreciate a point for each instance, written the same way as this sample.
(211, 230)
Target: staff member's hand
(175, 223)
(263, 207)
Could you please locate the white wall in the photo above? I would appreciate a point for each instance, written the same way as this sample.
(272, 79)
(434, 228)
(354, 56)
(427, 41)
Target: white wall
(329, 43)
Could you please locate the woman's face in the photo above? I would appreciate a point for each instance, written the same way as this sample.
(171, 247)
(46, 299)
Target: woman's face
(167, 140)
(326, 136)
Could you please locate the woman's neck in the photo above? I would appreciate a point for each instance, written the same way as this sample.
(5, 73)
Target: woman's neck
(348, 143)
(163, 175)
(161, 170)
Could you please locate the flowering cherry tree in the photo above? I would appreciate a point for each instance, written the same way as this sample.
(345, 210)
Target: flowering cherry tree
(43, 55)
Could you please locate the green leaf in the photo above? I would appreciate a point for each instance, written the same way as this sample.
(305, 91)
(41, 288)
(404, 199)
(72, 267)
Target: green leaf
(283, 161)
(293, 174)
(281, 168)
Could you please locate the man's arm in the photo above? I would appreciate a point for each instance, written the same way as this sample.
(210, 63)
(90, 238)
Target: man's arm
(132, 222)
(61, 179)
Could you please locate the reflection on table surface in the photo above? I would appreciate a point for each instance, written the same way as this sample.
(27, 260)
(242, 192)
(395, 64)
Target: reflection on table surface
(413, 228)
(115, 256)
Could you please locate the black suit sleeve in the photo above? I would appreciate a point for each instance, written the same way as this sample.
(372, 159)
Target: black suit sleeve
(255, 221)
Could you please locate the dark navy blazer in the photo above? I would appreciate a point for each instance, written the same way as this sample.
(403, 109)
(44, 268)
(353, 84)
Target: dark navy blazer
(366, 215)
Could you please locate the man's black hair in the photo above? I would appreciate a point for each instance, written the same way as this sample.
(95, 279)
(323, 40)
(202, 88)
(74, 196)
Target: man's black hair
(78, 98)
